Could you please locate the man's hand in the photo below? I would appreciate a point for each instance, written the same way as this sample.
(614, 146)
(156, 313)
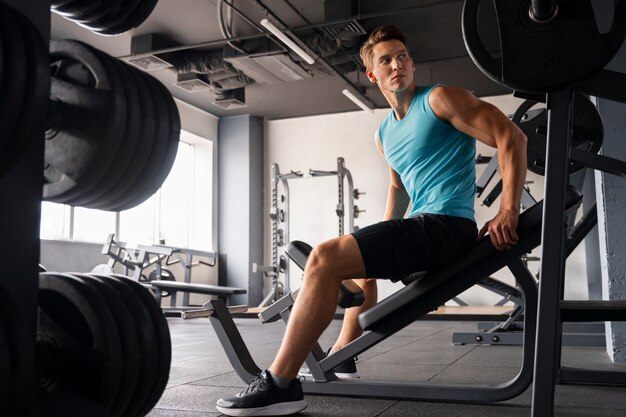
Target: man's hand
(502, 229)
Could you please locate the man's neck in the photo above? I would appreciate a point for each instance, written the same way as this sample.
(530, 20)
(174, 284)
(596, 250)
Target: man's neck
(400, 101)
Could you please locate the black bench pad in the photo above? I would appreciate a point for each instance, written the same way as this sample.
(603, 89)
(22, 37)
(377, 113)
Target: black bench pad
(196, 288)
(424, 293)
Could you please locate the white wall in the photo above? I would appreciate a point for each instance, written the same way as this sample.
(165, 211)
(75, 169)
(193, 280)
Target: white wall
(315, 142)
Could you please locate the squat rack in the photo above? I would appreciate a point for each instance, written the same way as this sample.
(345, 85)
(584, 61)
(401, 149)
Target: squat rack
(279, 213)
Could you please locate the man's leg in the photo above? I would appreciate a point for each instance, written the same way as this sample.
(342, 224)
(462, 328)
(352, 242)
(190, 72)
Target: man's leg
(350, 328)
(329, 264)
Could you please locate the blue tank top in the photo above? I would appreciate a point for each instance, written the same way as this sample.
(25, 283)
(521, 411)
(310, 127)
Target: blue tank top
(435, 161)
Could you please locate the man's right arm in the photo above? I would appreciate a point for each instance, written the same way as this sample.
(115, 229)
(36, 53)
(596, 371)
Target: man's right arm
(397, 198)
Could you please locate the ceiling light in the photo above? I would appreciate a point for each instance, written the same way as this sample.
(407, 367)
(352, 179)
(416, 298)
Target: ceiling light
(287, 41)
(356, 100)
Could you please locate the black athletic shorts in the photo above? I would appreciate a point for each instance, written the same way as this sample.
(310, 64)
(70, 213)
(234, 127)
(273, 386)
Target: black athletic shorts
(395, 248)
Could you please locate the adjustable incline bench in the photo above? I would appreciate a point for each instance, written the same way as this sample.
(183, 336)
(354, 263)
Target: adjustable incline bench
(422, 294)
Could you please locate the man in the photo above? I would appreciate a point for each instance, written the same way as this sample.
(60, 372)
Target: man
(428, 142)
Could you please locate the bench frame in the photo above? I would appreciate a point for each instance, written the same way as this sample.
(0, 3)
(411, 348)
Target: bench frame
(401, 309)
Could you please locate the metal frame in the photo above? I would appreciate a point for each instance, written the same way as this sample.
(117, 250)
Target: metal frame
(548, 371)
(324, 381)
(280, 265)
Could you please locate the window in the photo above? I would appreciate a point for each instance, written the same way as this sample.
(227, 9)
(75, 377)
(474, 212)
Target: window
(180, 212)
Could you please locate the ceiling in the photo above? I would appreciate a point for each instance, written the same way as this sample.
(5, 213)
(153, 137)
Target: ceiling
(328, 30)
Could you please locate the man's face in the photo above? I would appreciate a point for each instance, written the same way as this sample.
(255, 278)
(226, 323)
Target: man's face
(392, 66)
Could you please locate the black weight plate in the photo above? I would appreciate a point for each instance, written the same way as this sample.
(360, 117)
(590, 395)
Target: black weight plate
(173, 132)
(13, 83)
(145, 186)
(31, 121)
(114, 18)
(587, 131)
(60, 3)
(145, 145)
(78, 341)
(5, 362)
(93, 113)
(112, 6)
(79, 8)
(67, 405)
(132, 20)
(127, 137)
(164, 343)
(129, 341)
(147, 340)
(2, 62)
(130, 141)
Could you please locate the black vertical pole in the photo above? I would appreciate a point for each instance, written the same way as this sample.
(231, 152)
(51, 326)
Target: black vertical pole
(548, 343)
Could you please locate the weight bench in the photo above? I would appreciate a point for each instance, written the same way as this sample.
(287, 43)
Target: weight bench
(173, 287)
(422, 294)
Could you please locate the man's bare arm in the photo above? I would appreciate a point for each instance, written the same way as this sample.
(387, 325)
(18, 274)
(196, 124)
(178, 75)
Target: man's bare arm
(486, 123)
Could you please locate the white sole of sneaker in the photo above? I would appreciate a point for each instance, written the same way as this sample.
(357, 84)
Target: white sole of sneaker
(280, 409)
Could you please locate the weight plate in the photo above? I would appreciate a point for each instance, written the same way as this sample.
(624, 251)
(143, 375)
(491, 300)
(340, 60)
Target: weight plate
(115, 18)
(145, 144)
(587, 131)
(92, 114)
(60, 3)
(59, 404)
(128, 137)
(111, 7)
(78, 343)
(147, 340)
(13, 84)
(30, 122)
(124, 156)
(164, 343)
(80, 8)
(5, 361)
(137, 16)
(129, 342)
(147, 186)
(173, 132)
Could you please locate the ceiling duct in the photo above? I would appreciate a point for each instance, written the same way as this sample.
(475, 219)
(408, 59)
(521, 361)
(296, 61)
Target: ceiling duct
(193, 82)
(344, 30)
(143, 44)
(269, 64)
(232, 99)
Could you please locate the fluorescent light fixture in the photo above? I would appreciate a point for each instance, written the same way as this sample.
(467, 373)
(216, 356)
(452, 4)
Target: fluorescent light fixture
(287, 41)
(356, 100)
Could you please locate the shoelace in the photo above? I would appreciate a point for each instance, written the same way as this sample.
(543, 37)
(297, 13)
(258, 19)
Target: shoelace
(256, 384)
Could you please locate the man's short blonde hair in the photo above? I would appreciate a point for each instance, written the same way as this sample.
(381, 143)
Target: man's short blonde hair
(381, 34)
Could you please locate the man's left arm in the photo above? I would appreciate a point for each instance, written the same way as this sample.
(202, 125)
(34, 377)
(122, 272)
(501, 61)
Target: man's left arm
(486, 123)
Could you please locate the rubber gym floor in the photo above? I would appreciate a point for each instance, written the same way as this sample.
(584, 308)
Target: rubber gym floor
(201, 374)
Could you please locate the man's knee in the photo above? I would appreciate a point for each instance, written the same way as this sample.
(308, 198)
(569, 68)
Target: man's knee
(322, 256)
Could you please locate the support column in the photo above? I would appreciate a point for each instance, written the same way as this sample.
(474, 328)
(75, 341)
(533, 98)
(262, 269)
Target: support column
(611, 196)
(240, 205)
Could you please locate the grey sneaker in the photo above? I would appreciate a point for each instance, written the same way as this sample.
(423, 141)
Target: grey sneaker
(263, 398)
(345, 370)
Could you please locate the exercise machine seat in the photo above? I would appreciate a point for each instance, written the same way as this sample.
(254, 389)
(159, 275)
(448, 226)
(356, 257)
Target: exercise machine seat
(424, 293)
(299, 252)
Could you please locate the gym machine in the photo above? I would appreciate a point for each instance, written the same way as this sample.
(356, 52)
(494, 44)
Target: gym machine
(551, 50)
(587, 135)
(279, 213)
(161, 280)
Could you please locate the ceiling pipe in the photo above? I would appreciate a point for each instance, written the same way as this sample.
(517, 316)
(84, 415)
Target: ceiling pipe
(222, 42)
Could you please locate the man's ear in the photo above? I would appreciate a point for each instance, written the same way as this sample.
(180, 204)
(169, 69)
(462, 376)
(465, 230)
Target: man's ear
(370, 75)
